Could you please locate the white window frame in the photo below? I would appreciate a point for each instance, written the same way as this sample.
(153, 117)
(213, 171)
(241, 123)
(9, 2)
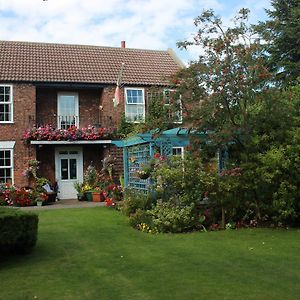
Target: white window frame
(178, 101)
(11, 103)
(182, 151)
(59, 95)
(8, 146)
(139, 104)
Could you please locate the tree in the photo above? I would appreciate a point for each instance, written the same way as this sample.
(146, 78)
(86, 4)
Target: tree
(219, 88)
(282, 34)
(228, 95)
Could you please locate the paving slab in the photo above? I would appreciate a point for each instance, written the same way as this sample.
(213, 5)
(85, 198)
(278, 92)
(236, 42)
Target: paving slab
(65, 204)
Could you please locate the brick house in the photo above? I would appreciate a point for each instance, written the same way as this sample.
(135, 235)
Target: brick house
(67, 85)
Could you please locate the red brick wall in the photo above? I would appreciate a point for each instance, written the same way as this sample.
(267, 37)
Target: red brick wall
(24, 113)
(46, 155)
(117, 156)
(95, 106)
(110, 115)
(90, 103)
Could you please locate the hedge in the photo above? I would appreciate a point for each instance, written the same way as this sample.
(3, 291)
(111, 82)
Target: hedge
(18, 230)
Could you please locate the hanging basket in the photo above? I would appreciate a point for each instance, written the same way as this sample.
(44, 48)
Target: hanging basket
(143, 175)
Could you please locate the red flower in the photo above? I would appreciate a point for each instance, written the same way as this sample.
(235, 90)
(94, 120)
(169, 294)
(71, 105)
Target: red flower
(156, 155)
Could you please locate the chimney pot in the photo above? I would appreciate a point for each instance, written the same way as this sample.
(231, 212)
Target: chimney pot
(123, 44)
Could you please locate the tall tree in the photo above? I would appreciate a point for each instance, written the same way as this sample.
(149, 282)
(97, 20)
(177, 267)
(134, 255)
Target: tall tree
(226, 80)
(282, 35)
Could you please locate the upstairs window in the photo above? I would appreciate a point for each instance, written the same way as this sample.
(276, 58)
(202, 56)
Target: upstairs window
(6, 103)
(173, 106)
(134, 105)
(67, 110)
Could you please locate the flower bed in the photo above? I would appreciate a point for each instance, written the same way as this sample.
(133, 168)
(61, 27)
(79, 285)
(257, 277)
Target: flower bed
(49, 133)
(12, 196)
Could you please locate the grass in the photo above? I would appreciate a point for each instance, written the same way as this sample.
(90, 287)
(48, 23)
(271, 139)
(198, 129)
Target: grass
(92, 253)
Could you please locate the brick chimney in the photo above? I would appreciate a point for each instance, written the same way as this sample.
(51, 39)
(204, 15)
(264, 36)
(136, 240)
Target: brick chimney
(123, 44)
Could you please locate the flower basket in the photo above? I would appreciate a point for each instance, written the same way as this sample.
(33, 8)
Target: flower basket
(144, 175)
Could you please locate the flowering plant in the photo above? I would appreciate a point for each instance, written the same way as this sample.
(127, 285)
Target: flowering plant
(42, 197)
(10, 195)
(49, 133)
(109, 202)
(31, 171)
(6, 191)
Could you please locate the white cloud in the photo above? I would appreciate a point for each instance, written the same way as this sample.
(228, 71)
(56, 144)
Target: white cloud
(152, 24)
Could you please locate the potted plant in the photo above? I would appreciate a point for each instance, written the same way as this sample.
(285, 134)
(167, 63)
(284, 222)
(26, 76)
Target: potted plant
(98, 195)
(145, 171)
(41, 198)
(79, 189)
(87, 192)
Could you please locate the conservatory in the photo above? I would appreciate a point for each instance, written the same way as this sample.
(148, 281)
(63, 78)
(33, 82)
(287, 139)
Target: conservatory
(139, 149)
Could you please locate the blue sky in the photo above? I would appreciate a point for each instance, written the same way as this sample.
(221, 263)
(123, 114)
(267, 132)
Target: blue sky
(146, 24)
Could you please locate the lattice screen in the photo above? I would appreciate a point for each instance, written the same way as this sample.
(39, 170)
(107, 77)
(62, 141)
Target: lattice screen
(138, 156)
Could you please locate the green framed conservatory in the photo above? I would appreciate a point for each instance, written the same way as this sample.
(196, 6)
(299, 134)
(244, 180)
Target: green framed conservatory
(139, 149)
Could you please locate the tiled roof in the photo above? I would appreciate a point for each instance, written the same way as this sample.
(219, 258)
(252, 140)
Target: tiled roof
(43, 62)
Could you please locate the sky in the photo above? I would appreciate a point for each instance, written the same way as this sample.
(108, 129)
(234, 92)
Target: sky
(145, 24)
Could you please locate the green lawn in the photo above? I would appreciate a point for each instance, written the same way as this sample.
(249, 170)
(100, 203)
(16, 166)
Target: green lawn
(92, 253)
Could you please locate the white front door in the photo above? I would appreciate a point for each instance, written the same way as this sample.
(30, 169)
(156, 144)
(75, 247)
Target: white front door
(68, 169)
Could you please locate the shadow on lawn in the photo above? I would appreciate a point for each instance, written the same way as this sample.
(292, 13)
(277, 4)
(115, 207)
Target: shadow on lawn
(17, 259)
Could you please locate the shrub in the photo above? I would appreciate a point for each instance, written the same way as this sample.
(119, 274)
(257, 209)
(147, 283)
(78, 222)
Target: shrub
(134, 200)
(18, 230)
(139, 217)
(168, 217)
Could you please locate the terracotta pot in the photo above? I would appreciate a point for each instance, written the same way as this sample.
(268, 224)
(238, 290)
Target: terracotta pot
(97, 197)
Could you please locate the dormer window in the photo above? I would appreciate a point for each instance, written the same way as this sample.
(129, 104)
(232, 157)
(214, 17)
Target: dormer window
(67, 110)
(6, 104)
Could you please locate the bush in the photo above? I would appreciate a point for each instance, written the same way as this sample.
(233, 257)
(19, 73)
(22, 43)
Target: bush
(139, 217)
(167, 217)
(18, 230)
(134, 200)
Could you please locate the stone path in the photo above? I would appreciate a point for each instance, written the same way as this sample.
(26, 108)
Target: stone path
(65, 204)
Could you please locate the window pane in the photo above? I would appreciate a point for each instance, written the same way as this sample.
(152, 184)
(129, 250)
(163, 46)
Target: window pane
(67, 105)
(73, 169)
(5, 112)
(134, 96)
(7, 90)
(5, 158)
(1, 90)
(73, 152)
(64, 169)
(63, 152)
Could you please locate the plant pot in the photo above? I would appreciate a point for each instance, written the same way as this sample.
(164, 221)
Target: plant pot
(88, 196)
(39, 203)
(97, 197)
(81, 197)
(144, 176)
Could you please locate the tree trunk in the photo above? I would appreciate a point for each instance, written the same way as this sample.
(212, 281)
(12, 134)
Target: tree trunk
(223, 218)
